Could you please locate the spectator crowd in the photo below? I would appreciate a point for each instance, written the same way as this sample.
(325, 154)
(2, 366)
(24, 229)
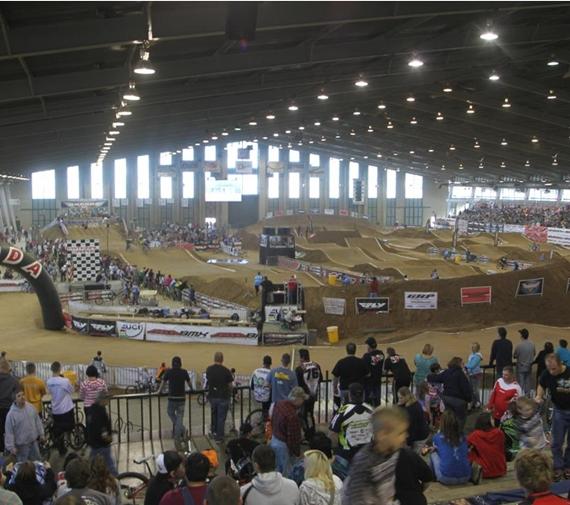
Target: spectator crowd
(556, 216)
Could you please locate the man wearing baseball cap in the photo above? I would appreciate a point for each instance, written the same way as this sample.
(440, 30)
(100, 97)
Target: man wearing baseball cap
(374, 359)
(287, 433)
(524, 356)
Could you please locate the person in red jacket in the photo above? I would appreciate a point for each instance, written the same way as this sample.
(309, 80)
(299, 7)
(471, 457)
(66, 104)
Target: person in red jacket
(506, 389)
(487, 447)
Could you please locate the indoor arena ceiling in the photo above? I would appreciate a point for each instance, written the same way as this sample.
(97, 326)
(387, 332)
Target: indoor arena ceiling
(64, 67)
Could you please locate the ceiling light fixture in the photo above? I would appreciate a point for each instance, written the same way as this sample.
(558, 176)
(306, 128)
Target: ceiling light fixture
(370, 129)
(317, 123)
(252, 123)
(551, 95)
(110, 139)
(337, 136)
(335, 118)
(122, 112)
(413, 121)
(356, 112)
(439, 116)
(287, 132)
(276, 134)
(379, 155)
(301, 127)
(225, 133)
(214, 137)
(293, 107)
(270, 116)
(412, 152)
(503, 164)
(534, 139)
(131, 94)
(494, 76)
(430, 150)
(381, 106)
(389, 125)
(144, 66)
(470, 109)
(415, 63)
(114, 132)
(117, 124)
(452, 147)
(410, 99)
(553, 62)
(506, 104)
(447, 89)
(476, 145)
(237, 128)
(527, 163)
(461, 166)
(352, 133)
(489, 34)
(361, 83)
(504, 142)
(322, 95)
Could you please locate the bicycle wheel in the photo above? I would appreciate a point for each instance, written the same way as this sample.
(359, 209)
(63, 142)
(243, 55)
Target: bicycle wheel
(77, 438)
(202, 399)
(133, 486)
(257, 422)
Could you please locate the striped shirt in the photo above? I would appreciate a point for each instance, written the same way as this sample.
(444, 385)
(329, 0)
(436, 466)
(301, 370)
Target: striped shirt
(89, 389)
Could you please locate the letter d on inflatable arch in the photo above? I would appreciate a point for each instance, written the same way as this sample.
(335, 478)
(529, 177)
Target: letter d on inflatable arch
(40, 280)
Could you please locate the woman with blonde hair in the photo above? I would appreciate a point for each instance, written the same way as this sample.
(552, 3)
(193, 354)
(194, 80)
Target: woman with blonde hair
(423, 363)
(418, 429)
(320, 486)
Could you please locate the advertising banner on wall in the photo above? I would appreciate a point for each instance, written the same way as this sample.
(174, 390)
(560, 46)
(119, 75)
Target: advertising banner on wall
(530, 287)
(536, 233)
(420, 300)
(335, 306)
(160, 332)
(102, 328)
(132, 330)
(80, 324)
(12, 285)
(477, 294)
(272, 338)
(272, 311)
(329, 212)
(379, 305)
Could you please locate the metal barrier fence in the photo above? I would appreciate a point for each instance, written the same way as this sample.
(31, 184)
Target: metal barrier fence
(144, 417)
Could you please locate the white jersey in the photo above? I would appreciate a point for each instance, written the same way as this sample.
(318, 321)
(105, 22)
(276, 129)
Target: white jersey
(312, 376)
(260, 385)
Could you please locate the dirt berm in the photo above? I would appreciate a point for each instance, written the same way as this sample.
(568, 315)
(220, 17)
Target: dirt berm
(336, 237)
(551, 308)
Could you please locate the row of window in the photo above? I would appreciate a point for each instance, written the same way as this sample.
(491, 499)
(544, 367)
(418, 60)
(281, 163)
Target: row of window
(533, 194)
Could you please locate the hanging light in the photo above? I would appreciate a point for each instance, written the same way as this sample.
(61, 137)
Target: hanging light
(553, 62)
(439, 116)
(352, 133)
(389, 125)
(413, 121)
(270, 116)
(317, 123)
(506, 104)
(410, 99)
(452, 147)
(323, 139)
(322, 95)
(264, 138)
(335, 118)
(311, 141)
(110, 139)
(287, 132)
(489, 34)
(470, 109)
(225, 133)
(534, 139)
(356, 112)
(494, 76)
(293, 107)
(504, 142)
(107, 144)
(337, 136)
(131, 94)
(447, 89)
(443, 167)
(461, 166)
(276, 134)
(144, 66)
(117, 124)
(527, 163)
(253, 122)
(114, 132)
(415, 63)
(554, 161)
(237, 129)
(476, 145)
(214, 137)
(412, 152)
(301, 127)
(361, 83)
(379, 155)
(503, 164)
(431, 150)
(381, 106)
(551, 95)
(123, 111)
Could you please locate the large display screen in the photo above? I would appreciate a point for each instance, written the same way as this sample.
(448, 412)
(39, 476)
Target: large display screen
(223, 190)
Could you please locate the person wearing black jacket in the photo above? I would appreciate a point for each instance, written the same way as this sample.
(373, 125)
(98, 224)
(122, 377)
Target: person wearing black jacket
(501, 352)
(34, 483)
(457, 391)
(374, 360)
(540, 360)
(400, 371)
(99, 431)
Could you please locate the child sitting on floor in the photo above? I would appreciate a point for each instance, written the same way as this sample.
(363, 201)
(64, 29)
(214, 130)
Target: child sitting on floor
(487, 447)
(529, 424)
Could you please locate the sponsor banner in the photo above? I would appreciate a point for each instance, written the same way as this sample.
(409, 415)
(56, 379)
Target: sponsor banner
(272, 311)
(269, 215)
(462, 226)
(335, 306)
(444, 222)
(12, 285)
(185, 245)
(278, 213)
(513, 228)
(103, 328)
(160, 332)
(379, 305)
(232, 250)
(530, 287)
(559, 236)
(329, 212)
(343, 212)
(132, 330)
(83, 204)
(80, 324)
(477, 294)
(536, 233)
(420, 300)
(289, 212)
(477, 227)
(284, 338)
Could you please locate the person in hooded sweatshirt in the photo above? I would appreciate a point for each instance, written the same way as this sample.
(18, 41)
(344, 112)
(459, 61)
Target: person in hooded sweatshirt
(268, 487)
(320, 486)
(23, 429)
(487, 447)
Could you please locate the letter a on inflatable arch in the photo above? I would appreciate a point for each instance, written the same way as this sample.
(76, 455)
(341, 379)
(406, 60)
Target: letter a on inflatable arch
(40, 280)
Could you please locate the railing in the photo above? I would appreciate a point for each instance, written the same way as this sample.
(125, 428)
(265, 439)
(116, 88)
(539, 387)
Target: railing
(143, 417)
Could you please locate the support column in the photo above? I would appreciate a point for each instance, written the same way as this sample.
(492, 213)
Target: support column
(262, 182)
(400, 198)
(10, 206)
(381, 197)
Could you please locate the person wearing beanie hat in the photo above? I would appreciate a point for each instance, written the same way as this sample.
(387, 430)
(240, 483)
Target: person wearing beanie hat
(524, 354)
(169, 470)
(287, 433)
(374, 359)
